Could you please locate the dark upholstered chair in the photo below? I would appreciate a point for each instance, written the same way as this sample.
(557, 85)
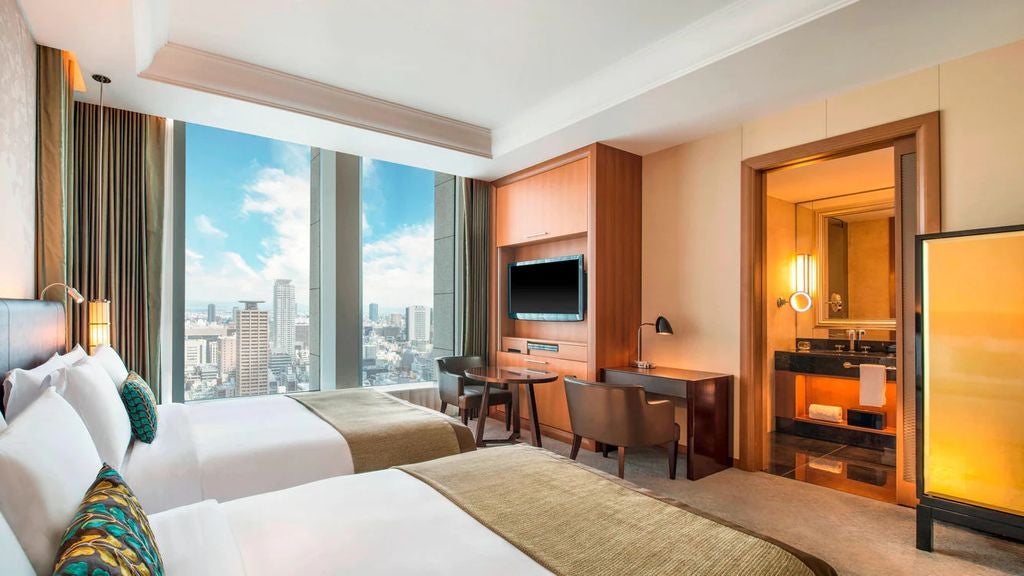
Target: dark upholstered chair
(458, 390)
(621, 415)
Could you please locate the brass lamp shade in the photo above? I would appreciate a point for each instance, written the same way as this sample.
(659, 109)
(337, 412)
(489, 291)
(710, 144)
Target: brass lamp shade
(99, 324)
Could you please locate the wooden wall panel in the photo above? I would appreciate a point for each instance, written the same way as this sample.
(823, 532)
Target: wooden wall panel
(589, 202)
(549, 205)
(615, 242)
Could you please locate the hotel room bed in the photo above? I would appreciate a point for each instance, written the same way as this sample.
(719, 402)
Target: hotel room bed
(231, 448)
(513, 510)
(227, 449)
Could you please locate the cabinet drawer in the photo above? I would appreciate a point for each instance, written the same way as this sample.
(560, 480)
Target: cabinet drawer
(548, 205)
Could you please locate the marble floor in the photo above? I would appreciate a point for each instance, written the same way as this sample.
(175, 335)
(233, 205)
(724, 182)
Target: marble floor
(851, 469)
(856, 535)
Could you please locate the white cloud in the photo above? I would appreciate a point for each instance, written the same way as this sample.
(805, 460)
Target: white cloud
(367, 229)
(283, 199)
(193, 261)
(228, 277)
(398, 270)
(206, 226)
(280, 196)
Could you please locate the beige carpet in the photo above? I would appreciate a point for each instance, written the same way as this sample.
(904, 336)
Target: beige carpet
(855, 535)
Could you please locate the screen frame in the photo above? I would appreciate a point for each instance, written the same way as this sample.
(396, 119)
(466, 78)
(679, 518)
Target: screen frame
(930, 506)
(581, 307)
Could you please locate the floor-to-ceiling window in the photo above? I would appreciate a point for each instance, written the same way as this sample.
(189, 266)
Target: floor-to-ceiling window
(398, 272)
(246, 265)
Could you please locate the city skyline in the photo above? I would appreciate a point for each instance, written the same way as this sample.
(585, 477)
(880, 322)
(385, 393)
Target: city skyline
(247, 309)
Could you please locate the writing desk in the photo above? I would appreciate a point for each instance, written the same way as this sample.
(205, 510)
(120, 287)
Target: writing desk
(708, 411)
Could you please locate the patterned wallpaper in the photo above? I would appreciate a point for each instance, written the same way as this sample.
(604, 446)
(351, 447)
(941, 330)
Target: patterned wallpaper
(17, 154)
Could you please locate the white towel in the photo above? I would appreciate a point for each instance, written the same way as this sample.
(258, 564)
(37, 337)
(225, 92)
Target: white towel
(825, 412)
(872, 385)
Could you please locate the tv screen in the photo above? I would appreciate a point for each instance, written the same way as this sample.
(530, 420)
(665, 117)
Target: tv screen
(553, 289)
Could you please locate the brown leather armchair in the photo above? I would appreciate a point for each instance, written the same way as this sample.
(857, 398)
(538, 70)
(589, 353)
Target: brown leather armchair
(456, 389)
(621, 415)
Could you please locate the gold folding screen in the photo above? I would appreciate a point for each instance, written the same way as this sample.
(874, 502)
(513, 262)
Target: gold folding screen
(973, 351)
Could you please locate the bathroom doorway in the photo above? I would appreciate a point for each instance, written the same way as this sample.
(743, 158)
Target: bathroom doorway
(830, 261)
(828, 301)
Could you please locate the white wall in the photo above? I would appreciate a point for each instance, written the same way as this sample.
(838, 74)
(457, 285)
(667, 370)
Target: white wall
(691, 192)
(17, 154)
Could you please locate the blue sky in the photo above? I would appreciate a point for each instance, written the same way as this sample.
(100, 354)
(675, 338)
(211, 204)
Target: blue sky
(247, 222)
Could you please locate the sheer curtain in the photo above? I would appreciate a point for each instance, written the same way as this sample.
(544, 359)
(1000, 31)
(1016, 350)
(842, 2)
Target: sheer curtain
(115, 239)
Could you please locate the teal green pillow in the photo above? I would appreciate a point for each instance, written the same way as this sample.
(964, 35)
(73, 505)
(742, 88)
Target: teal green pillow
(141, 406)
(110, 534)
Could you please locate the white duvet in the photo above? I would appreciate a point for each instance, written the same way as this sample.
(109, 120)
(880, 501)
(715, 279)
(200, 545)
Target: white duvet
(384, 522)
(228, 449)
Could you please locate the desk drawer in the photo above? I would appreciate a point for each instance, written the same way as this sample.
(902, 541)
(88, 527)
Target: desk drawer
(653, 384)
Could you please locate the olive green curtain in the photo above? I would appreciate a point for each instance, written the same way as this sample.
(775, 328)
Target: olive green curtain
(475, 197)
(54, 111)
(115, 240)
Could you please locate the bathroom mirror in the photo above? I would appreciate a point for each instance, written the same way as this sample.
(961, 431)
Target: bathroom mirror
(855, 248)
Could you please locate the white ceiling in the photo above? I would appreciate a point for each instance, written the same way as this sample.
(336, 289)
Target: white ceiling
(540, 76)
(474, 61)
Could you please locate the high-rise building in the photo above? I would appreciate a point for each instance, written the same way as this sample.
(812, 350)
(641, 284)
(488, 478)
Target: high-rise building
(284, 317)
(374, 312)
(253, 349)
(195, 352)
(211, 313)
(228, 355)
(212, 352)
(417, 323)
(302, 332)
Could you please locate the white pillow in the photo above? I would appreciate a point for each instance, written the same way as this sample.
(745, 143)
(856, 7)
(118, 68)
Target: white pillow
(13, 561)
(22, 387)
(47, 462)
(76, 354)
(112, 363)
(91, 393)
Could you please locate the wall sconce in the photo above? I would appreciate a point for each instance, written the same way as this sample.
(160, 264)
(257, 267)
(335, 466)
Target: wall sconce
(800, 300)
(99, 324)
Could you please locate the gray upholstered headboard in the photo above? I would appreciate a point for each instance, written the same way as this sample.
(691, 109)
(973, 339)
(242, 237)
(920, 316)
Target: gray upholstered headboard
(30, 332)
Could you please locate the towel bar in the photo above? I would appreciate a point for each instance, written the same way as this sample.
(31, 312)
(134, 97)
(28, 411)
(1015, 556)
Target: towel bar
(850, 365)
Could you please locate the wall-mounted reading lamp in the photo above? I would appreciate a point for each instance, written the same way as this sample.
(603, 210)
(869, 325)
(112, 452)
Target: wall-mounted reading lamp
(75, 294)
(800, 300)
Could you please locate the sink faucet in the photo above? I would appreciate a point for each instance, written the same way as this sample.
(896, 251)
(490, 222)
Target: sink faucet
(855, 336)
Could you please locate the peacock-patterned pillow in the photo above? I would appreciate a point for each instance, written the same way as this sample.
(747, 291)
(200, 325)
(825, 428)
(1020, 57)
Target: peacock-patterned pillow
(141, 406)
(109, 535)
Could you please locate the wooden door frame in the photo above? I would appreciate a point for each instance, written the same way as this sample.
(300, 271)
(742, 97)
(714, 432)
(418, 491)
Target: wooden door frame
(753, 390)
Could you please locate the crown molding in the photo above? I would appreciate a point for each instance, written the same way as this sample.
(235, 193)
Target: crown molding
(187, 67)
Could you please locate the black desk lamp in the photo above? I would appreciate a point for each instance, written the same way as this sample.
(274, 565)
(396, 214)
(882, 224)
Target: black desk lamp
(661, 327)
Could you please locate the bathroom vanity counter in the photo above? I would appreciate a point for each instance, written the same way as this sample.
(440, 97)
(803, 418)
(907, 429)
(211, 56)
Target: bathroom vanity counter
(832, 378)
(832, 363)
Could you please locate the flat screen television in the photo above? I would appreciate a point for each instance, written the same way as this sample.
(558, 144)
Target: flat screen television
(553, 289)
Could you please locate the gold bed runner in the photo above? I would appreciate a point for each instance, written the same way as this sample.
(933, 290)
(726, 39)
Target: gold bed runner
(573, 520)
(384, 431)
